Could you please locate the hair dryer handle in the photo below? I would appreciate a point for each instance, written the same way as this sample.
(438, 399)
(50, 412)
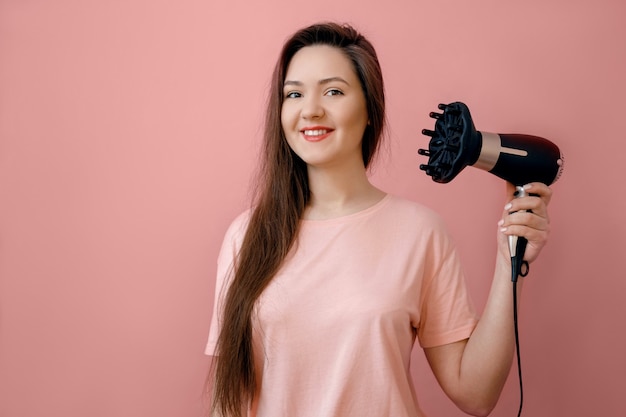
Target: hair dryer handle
(517, 247)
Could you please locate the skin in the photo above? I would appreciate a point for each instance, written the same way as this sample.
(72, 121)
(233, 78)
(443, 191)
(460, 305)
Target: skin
(322, 92)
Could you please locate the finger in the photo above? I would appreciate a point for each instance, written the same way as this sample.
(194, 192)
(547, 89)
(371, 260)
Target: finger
(537, 199)
(537, 189)
(540, 190)
(531, 204)
(533, 230)
(526, 218)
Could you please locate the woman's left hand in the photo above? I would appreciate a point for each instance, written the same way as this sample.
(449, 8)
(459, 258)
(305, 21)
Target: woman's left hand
(526, 217)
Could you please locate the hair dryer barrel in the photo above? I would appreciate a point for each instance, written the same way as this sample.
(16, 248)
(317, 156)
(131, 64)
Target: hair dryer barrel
(520, 159)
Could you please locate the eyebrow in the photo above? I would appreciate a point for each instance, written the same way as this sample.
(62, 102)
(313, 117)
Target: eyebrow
(320, 82)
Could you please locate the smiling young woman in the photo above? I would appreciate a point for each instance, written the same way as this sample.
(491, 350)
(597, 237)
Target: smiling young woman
(325, 284)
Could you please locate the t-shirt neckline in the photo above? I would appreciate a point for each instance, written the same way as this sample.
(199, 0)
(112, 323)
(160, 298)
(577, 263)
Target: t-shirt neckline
(348, 217)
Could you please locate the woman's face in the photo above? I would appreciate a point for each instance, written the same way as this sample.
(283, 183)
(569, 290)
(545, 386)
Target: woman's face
(324, 112)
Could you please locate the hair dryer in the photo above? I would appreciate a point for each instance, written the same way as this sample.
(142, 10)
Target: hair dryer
(520, 159)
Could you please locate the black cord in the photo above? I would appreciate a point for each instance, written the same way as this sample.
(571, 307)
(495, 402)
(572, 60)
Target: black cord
(517, 350)
(518, 269)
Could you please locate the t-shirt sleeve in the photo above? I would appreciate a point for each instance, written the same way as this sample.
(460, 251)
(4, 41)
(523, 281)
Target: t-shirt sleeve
(225, 264)
(447, 312)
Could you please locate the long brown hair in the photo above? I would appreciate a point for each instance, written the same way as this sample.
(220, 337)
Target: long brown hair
(281, 196)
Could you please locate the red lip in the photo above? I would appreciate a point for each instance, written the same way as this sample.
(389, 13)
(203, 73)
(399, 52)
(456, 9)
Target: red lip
(316, 138)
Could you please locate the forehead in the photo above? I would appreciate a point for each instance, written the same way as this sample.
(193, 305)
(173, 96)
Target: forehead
(318, 62)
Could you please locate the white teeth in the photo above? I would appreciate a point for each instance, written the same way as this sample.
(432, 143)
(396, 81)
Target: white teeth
(317, 132)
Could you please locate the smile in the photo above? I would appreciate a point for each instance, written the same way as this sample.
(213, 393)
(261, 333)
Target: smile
(316, 134)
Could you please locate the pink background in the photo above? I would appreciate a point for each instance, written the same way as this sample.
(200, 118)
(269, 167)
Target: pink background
(128, 134)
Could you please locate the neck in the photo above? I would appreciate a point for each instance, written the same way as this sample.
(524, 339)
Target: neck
(336, 193)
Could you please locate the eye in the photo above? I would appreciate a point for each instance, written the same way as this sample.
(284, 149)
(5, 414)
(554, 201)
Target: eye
(334, 92)
(292, 94)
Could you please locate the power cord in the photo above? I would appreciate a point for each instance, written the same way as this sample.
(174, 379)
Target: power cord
(521, 270)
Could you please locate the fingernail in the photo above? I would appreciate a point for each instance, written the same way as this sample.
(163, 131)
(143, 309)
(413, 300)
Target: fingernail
(503, 229)
(501, 222)
(527, 186)
(508, 206)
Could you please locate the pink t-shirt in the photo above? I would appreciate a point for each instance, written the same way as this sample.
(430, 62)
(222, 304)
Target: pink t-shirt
(334, 330)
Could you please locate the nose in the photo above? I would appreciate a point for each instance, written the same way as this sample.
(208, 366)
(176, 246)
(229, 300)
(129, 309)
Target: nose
(312, 108)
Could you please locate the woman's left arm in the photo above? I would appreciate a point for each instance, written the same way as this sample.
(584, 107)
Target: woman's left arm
(472, 372)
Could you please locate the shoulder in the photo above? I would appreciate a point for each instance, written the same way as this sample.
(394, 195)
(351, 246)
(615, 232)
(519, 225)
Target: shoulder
(236, 230)
(240, 223)
(404, 209)
(416, 222)
(238, 226)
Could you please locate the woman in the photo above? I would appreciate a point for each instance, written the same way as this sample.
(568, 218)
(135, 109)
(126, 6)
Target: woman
(324, 285)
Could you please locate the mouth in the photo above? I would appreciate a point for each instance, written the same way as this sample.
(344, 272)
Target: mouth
(316, 134)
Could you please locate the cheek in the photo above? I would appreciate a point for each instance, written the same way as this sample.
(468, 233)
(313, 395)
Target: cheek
(286, 117)
(358, 120)
(355, 113)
